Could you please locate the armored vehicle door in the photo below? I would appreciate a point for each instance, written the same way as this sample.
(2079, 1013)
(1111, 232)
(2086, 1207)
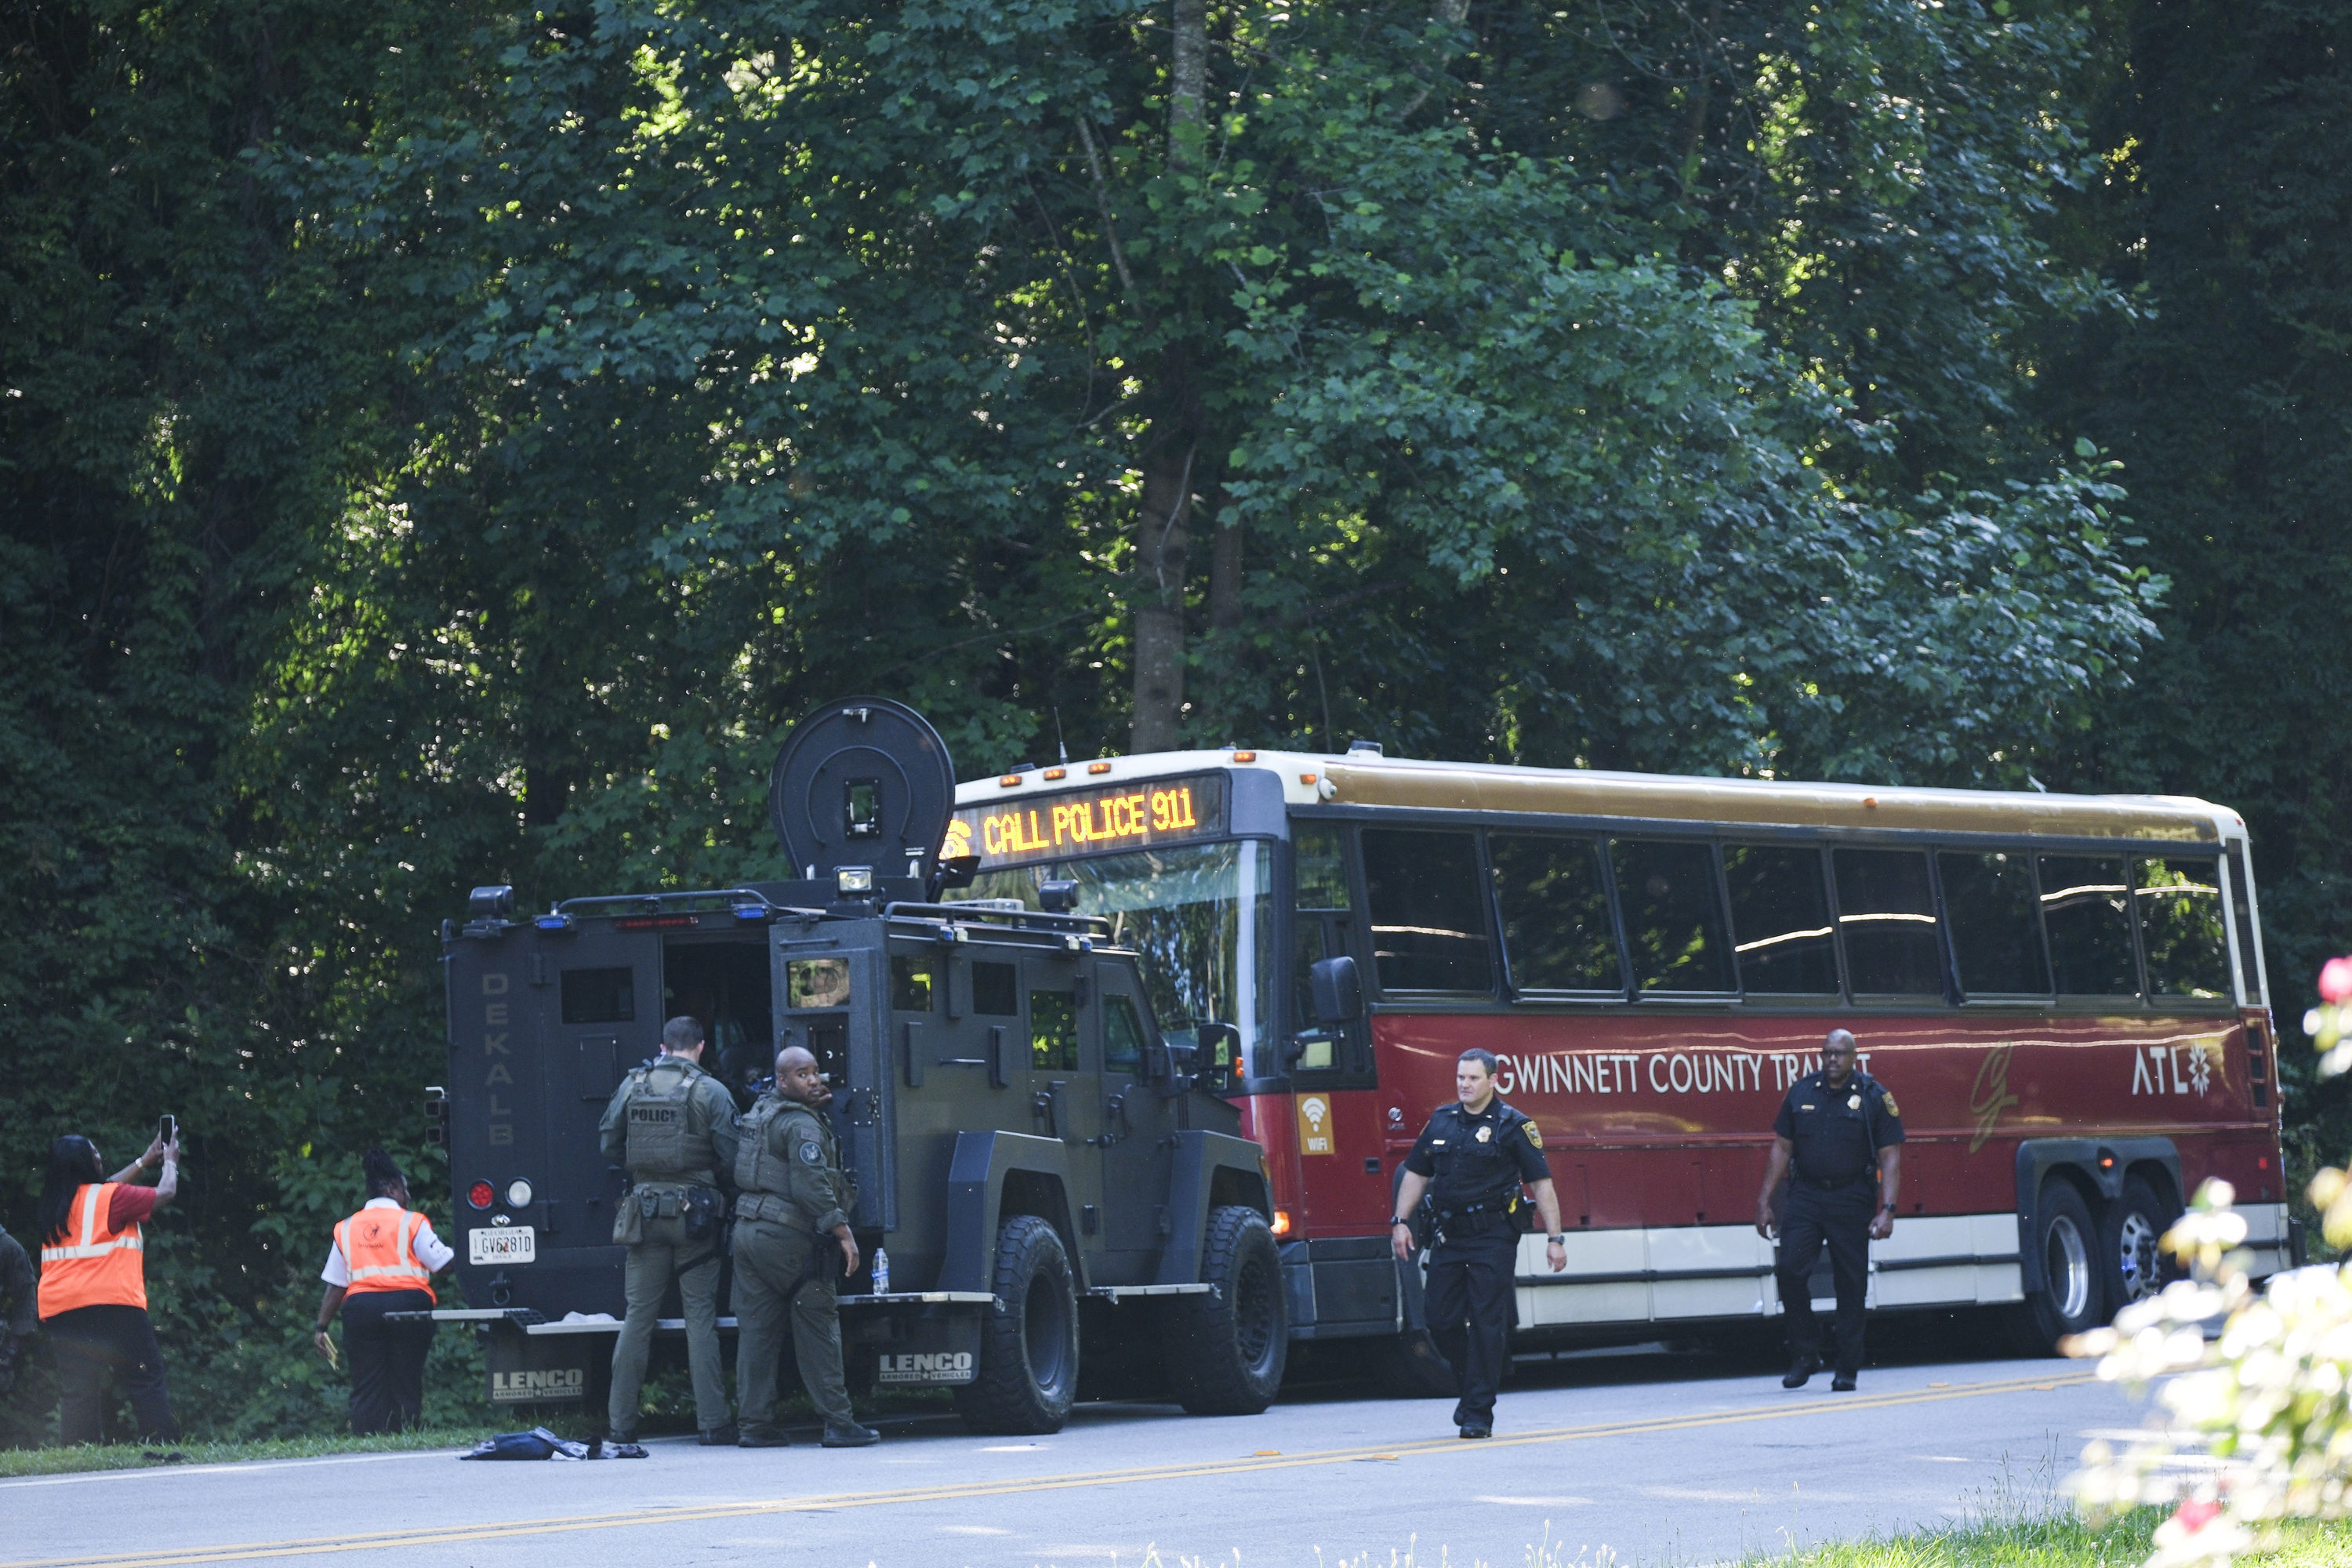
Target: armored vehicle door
(836, 1004)
(542, 1024)
(1135, 1118)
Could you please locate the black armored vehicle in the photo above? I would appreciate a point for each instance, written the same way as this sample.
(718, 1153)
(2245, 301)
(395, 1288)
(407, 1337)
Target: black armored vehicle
(1063, 1203)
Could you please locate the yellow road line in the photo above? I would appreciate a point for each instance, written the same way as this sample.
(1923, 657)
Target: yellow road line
(450, 1535)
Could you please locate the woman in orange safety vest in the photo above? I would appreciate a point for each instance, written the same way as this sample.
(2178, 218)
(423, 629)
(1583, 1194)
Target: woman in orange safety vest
(94, 1289)
(383, 1262)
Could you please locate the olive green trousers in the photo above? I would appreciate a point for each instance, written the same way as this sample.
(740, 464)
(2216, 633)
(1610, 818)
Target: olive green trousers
(777, 1290)
(665, 1253)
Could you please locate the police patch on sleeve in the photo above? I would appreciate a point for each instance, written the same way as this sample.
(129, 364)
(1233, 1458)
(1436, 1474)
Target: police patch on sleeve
(811, 1153)
(1888, 1101)
(1535, 1135)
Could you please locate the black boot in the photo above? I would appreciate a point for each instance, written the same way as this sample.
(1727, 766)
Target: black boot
(722, 1435)
(1841, 1384)
(762, 1435)
(849, 1435)
(1800, 1371)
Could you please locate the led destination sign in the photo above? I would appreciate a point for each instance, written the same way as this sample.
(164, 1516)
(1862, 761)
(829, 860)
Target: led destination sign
(1140, 815)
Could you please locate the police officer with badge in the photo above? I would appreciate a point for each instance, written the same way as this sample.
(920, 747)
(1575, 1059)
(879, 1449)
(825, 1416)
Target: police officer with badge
(792, 1225)
(1837, 1143)
(673, 1126)
(1471, 1161)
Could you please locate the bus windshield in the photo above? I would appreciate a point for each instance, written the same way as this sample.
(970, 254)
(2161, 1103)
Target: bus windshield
(1201, 916)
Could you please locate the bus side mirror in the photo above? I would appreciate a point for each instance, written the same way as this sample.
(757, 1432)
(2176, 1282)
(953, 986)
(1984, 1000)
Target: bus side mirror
(1335, 990)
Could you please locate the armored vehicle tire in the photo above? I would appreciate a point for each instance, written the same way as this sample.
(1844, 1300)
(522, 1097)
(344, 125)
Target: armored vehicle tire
(1235, 1339)
(1029, 1340)
(2069, 1300)
(2133, 1263)
(1410, 1366)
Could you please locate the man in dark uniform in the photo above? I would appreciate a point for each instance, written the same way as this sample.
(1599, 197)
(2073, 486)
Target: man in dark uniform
(673, 1125)
(792, 1225)
(1471, 1160)
(1839, 1130)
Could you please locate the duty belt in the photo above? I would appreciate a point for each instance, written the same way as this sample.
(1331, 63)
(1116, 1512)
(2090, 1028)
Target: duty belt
(1837, 1186)
(770, 1207)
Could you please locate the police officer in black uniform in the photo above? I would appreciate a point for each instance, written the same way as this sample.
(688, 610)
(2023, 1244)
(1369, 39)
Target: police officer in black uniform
(1471, 1160)
(1839, 1130)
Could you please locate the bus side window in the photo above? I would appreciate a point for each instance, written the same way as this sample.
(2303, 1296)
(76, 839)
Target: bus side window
(1556, 935)
(1429, 918)
(2243, 910)
(1781, 920)
(2087, 910)
(1996, 937)
(1887, 915)
(2181, 930)
(1674, 915)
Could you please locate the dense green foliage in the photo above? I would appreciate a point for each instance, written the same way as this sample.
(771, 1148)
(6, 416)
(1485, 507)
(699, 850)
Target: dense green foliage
(447, 443)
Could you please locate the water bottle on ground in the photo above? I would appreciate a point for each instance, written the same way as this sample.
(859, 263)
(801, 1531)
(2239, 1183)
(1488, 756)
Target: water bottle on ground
(881, 1272)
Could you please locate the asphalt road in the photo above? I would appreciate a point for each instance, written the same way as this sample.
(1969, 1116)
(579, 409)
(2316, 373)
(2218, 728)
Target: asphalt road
(1632, 1454)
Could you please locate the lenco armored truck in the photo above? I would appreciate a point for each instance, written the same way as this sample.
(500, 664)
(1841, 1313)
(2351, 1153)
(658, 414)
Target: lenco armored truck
(1064, 1200)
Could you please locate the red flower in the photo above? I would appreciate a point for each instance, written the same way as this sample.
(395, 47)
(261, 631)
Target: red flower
(2197, 1513)
(2336, 980)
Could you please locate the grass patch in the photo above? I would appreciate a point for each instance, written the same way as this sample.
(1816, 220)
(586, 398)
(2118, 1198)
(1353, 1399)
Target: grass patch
(133, 1456)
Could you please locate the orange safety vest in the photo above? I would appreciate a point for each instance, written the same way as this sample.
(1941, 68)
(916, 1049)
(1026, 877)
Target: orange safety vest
(97, 1266)
(380, 1250)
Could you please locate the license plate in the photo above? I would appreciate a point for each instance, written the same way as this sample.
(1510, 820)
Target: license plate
(506, 1244)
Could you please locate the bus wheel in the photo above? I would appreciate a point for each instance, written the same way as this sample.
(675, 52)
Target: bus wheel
(1235, 1339)
(2067, 1244)
(2135, 1226)
(1029, 1340)
(1410, 1366)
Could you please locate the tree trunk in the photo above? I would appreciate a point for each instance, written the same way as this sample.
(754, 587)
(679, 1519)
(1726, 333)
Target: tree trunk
(1188, 84)
(1161, 544)
(1225, 573)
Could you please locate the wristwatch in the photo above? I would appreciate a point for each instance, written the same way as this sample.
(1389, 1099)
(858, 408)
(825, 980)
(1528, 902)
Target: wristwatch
(1555, 1240)
(1397, 1219)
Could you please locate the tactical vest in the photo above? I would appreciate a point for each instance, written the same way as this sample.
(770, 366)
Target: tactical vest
(662, 1145)
(756, 1170)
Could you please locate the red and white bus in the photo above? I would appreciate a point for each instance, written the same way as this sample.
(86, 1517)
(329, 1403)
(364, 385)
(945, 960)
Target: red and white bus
(2064, 993)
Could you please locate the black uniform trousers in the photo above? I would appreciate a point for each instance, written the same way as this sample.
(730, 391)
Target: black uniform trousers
(1469, 1306)
(1839, 1218)
(387, 1359)
(91, 1341)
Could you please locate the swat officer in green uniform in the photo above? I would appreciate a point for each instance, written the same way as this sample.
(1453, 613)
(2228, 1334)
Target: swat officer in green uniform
(673, 1125)
(792, 1222)
(1838, 1144)
(1471, 1160)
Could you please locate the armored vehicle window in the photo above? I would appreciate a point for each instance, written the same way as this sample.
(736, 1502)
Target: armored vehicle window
(1321, 857)
(1122, 1032)
(1886, 916)
(817, 981)
(996, 990)
(2087, 910)
(910, 982)
(1781, 920)
(599, 996)
(1054, 1031)
(2181, 930)
(1428, 921)
(1996, 939)
(1673, 916)
(1557, 934)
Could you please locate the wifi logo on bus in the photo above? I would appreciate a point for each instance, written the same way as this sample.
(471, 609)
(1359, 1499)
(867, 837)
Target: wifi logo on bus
(1314, 1124)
